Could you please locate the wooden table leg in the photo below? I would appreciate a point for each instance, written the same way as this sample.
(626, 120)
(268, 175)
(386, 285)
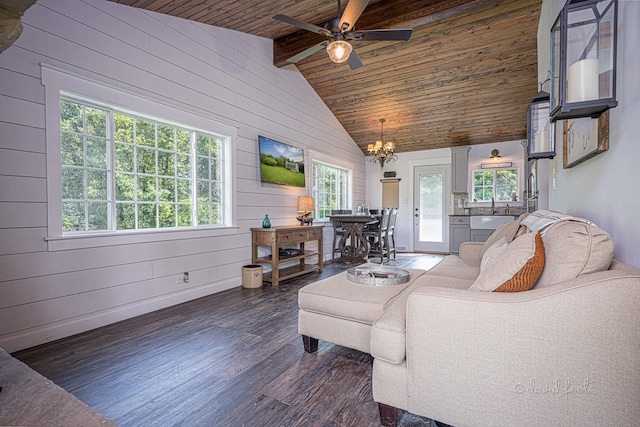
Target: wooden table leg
(358, 247)
(320, 253)
(275, 262)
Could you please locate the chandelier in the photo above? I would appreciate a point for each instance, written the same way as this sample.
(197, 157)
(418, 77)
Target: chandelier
(381, 152)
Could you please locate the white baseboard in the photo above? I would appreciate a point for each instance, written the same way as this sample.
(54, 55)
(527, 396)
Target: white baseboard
(54, 331)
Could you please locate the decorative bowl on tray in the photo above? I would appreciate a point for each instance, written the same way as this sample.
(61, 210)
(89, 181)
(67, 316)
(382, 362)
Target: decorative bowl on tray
(378, 276)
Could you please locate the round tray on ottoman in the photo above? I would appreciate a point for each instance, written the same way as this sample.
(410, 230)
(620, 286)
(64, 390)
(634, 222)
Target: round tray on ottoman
(378, 276)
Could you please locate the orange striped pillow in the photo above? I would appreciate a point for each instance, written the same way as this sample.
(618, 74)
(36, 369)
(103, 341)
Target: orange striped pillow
(516, 269)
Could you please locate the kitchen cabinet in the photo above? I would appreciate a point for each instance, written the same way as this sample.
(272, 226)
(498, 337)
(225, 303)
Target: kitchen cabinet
(459, 169)
(459, 232)
(479, 235)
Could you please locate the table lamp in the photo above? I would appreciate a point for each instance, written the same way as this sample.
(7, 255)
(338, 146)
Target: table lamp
(305, 209)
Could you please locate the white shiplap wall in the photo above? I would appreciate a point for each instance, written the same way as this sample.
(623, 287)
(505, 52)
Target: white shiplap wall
(604, 188)
(222, 74)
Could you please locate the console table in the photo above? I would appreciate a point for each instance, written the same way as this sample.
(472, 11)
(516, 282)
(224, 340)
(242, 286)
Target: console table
(277, 237)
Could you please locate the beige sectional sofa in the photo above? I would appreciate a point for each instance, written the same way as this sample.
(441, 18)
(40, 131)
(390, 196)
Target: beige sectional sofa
(565, 353)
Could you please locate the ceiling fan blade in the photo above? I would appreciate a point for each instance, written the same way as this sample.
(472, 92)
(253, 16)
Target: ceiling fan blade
(307, 52)
(351, 14)
(401, 34)
(305, 26)
(354, 61)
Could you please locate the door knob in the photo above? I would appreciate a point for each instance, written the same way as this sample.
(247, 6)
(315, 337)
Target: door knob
(416, 215)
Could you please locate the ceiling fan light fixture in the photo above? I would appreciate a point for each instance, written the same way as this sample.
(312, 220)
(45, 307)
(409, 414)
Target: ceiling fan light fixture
(339, 51)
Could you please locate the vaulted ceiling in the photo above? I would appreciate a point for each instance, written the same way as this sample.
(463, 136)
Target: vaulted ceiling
(465, 77)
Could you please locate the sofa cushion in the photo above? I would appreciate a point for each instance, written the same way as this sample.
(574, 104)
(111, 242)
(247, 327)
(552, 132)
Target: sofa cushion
(516, 269)
(388, 340)
(452, 266)
(573, 248)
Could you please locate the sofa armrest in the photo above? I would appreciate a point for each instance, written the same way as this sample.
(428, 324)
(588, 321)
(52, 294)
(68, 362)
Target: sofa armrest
(471, 251)
(555, 356)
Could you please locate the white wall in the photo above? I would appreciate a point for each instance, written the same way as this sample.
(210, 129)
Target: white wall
(222, 74)
(605, 187)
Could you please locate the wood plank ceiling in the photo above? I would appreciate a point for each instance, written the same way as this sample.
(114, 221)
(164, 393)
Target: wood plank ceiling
(465, 77)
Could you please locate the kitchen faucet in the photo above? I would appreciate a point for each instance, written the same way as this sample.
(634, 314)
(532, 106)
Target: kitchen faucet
(493, 206)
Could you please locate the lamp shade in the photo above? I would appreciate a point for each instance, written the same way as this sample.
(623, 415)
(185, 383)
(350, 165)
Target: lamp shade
(305, 204)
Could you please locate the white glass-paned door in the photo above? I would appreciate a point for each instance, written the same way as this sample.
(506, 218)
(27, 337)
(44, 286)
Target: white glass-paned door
(432, 189)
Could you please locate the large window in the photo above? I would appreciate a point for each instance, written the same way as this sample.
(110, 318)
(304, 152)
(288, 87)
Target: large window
(122, 171)
(331, 188)
(498, 183)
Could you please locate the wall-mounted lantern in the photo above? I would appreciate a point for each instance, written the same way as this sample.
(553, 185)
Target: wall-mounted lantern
(540, 133)
(583, 59)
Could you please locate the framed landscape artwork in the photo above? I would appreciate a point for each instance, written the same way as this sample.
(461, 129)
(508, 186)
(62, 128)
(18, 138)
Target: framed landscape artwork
(281, 163)
(585, 138)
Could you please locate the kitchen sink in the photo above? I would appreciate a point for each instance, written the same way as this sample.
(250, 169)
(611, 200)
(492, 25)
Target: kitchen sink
(489, 222)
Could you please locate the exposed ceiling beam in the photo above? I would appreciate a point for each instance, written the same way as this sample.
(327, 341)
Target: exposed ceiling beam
(396, 14)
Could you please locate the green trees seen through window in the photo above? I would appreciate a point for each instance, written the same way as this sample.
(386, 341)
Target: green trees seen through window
(122, 172)
(497, 183)
(330, 187)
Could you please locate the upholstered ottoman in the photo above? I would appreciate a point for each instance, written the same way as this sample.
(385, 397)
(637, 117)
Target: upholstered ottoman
(342, 312)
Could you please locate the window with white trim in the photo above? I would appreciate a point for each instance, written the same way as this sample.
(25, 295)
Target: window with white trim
(501, 184)
(331, 188)
(122, 171)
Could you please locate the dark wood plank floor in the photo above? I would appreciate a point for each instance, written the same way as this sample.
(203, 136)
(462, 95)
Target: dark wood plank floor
(230, 359)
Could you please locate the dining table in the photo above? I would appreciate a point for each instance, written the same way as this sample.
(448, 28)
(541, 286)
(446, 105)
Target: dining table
(353, 245)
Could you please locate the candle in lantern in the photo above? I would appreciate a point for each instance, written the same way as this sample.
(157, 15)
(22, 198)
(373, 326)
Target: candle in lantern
(542, 144)
(582, 82)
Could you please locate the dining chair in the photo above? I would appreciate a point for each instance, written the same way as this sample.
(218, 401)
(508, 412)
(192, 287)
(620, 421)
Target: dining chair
(377, 237)
(390, 239)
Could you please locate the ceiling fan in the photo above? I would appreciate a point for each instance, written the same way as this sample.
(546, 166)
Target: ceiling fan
(340, 31)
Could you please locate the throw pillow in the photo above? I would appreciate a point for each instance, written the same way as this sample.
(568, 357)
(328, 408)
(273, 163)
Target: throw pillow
(493, 252)
(516, 269)
(572, 249)
(508, 231)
